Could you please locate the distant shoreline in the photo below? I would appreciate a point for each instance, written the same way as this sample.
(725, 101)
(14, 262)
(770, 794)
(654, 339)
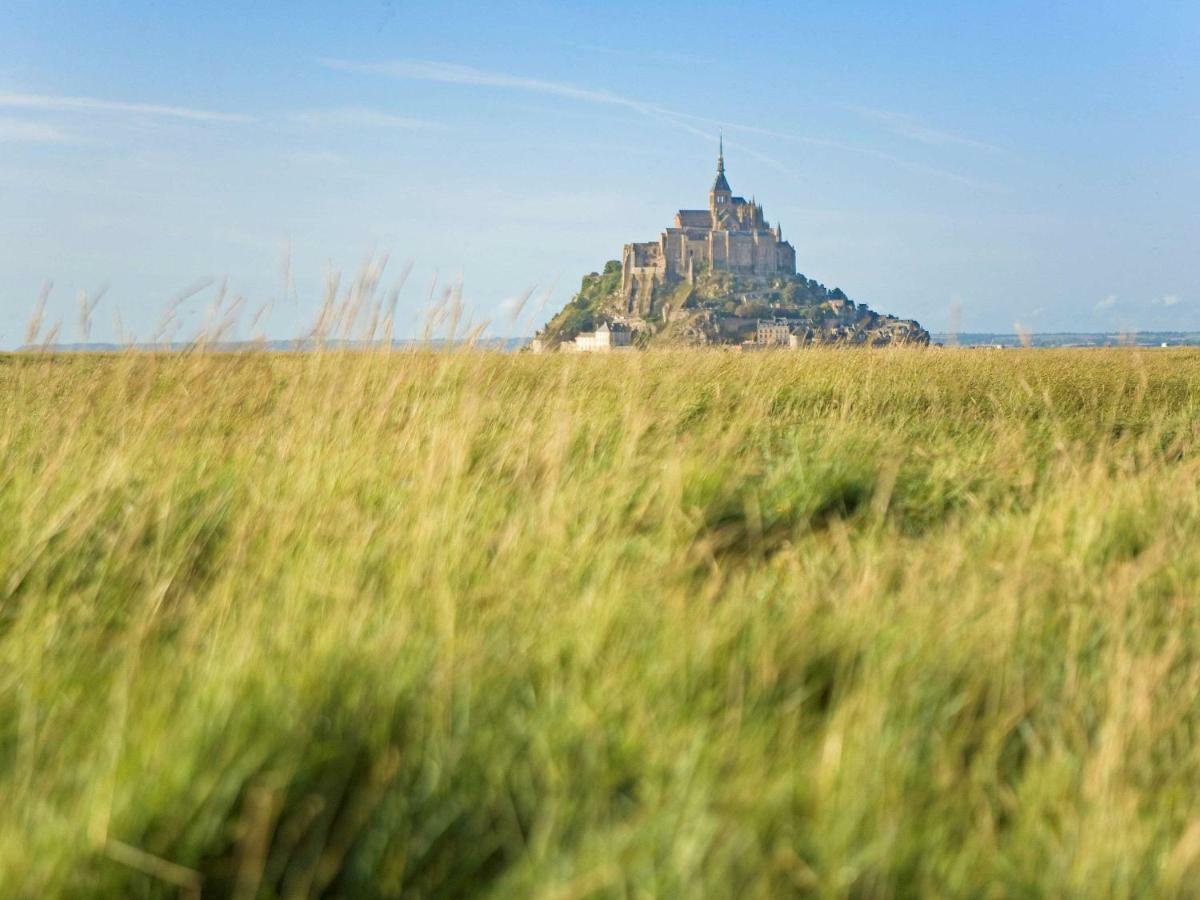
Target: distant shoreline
(506, 345)
(976, 339)
(1070, 339)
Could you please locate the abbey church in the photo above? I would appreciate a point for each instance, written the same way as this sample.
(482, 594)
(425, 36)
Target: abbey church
(730, 235)
(722, 276)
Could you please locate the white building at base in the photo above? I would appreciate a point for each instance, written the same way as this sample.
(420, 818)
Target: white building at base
(603, 340)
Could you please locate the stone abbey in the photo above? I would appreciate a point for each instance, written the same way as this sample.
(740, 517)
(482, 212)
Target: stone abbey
(722, 276)
(730, 235)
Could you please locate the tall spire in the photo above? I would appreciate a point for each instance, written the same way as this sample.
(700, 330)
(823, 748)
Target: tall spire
(720, 185)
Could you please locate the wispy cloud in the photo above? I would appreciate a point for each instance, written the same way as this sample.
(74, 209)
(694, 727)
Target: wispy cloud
(14, 131)
(1107, 303)
(932, 171)
(755, 129)
(55, 103)
(829, 143)
(360, 117)
(1165, 300)
(455, 73)
(680, 121)
(912, 128)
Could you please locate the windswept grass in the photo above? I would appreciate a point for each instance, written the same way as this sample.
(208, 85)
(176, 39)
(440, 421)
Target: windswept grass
(888, 624)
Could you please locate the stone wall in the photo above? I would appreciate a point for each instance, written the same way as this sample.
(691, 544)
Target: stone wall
(730, 235)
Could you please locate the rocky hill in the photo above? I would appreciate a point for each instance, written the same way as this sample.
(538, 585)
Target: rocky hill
(725, 308)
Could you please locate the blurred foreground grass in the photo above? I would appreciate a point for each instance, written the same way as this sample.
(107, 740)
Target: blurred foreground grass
(833, 623)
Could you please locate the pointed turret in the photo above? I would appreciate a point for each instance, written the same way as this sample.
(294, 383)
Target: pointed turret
(720, 194)
(720, 184)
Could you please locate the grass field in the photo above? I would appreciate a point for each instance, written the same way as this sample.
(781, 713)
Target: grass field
(669, 624)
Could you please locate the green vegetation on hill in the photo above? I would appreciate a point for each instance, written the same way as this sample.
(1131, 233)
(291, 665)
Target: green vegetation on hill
(720, 307)
(596, 302)
(677, 624)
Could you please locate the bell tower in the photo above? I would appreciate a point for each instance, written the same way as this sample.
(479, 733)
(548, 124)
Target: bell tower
(720, 196)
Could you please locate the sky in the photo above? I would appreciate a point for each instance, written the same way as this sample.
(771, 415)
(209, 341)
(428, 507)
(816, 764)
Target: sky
(983, 166)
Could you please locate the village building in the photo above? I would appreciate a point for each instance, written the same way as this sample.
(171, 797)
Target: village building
(773, 332)
(604, 339)
(731, 235)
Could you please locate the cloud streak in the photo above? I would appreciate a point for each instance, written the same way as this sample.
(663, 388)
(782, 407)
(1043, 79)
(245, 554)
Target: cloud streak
(909, 127)
(57, 103)
(829, 143)
(455, 73)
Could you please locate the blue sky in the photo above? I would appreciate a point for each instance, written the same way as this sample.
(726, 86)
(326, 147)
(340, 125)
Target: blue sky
(986, 163)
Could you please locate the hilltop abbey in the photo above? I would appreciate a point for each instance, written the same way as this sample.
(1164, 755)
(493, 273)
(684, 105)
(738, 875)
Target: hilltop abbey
(722, 276)
(730, 235)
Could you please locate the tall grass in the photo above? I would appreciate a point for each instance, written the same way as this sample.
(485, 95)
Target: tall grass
(834, 623)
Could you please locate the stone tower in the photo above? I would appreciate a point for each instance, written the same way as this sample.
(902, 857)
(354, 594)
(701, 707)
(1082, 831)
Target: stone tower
(732, 235)
(720, 197)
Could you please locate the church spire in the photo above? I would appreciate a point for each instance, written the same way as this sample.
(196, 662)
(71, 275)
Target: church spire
(720, 185)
